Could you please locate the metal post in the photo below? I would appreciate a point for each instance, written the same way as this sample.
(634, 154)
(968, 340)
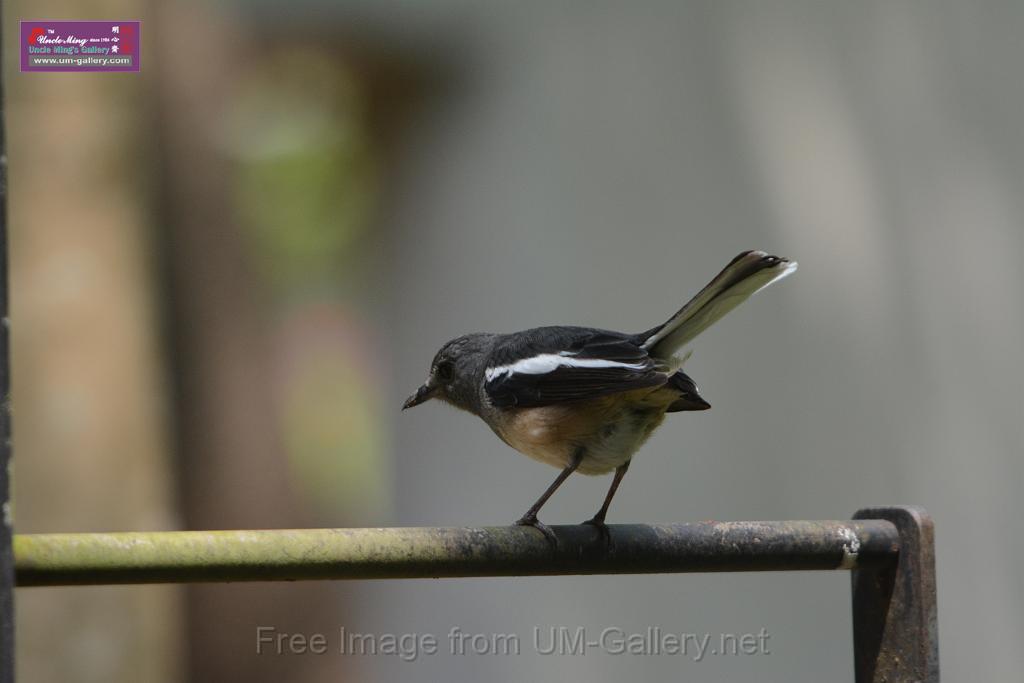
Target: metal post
(6, 554)
(895, 623)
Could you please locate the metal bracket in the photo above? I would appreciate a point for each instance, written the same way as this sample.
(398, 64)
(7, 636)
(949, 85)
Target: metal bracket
(895, 622)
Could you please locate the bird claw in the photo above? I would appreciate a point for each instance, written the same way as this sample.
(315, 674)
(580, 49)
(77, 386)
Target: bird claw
(531, 520)
(602, 529)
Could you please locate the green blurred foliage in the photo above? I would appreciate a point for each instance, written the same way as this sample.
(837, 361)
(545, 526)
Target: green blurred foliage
(334, 437)
(305, 187)
(306, 178)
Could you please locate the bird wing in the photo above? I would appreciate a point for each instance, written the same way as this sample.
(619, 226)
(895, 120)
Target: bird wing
(549, 365)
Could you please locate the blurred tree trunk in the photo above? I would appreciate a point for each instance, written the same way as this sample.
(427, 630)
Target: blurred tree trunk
(233, 469)
(88, 381)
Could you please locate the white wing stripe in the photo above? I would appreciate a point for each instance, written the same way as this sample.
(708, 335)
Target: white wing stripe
(549, 362)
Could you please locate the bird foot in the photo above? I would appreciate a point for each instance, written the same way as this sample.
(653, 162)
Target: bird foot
(602, 529)
(531, 520)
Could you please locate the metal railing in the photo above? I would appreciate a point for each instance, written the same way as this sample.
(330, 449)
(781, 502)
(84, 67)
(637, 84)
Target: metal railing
(890, 552)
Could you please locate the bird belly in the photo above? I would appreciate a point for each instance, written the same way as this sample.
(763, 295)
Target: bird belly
(609, 430)
(619, 441)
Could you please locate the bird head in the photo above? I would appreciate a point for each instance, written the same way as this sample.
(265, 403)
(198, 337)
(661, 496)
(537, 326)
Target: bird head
(455, 372)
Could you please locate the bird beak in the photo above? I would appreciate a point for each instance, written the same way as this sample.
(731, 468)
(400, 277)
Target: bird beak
(422, 394)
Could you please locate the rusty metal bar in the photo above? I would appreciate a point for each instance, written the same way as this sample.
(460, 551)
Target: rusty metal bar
(895, 619)
(288, 555)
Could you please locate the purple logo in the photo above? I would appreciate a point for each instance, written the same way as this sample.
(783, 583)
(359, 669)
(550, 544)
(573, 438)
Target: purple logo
(80, 45)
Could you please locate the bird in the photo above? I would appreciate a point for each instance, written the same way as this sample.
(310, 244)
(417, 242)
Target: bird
(585, 399)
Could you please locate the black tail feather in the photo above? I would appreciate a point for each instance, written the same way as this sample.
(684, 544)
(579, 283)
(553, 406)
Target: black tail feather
(745, 275)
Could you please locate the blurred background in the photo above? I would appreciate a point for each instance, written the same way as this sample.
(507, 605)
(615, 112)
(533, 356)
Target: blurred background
(229, 270)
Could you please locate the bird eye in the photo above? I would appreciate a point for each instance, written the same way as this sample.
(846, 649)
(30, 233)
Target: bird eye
(445, 370)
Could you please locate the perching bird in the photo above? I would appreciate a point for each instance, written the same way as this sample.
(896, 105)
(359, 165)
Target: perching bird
(585, 399)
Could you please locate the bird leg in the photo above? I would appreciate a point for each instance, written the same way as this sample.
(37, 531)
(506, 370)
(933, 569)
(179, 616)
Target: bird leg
(530, 518)
(598, 519)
